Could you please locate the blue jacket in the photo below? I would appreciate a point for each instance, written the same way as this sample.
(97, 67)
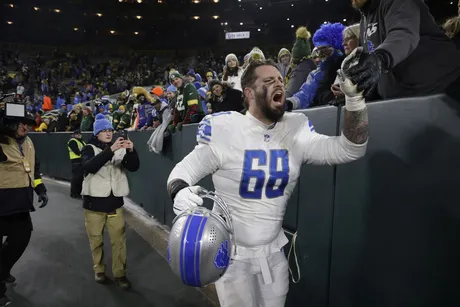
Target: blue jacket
(304, 98)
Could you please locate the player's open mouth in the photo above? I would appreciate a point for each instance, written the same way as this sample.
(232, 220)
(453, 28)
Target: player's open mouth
(278, 97)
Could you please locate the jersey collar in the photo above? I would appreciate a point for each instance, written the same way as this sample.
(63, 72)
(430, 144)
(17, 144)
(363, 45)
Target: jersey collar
(258, 123)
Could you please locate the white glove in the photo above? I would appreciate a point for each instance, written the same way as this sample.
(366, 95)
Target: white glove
(354, 100)
(187, 198)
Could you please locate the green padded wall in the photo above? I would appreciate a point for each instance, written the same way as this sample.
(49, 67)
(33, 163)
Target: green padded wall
(397, 216)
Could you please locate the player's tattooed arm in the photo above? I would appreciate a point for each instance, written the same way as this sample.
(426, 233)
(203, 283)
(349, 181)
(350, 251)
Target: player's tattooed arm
(356, 126)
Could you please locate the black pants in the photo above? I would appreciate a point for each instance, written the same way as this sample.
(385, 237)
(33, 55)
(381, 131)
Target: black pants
(77, 179)
(17, 229)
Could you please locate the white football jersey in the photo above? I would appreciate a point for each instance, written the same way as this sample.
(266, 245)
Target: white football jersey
(255, 167)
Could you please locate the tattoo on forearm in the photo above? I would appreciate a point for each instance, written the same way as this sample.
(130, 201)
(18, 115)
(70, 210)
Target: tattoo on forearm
(355, 127)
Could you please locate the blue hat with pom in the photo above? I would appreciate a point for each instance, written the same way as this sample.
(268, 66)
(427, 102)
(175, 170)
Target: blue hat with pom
(329, 34)
(101, 123)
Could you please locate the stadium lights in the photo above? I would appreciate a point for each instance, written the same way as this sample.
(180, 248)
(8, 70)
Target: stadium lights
(344, 20)
(196, 1)
(75, 29)
(215, 17)
(136, 33)
(9, 22)
(57, 10)
(139, 17)
(112, 32)
(99, 14)
(11, 5)
(36, 8)
(196, 17)
(216, 1)
(139, 1)
(241, 23)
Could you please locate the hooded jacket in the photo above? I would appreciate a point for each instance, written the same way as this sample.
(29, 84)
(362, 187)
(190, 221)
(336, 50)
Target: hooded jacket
(406, 35)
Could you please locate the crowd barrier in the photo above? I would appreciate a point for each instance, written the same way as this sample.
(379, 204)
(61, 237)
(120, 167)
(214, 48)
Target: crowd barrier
(382, 231)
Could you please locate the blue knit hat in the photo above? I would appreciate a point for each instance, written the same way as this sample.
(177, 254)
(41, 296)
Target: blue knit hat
(101, 123)
(171, 89)
(329, 34)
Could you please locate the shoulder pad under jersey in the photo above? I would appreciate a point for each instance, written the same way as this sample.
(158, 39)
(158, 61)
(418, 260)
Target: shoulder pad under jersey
(211, 126)
(298, 121)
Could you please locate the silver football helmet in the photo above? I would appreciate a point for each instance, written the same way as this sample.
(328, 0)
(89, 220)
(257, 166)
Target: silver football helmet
(200, 243)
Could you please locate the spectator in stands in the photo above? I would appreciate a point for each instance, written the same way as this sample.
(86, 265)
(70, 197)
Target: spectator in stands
(87, 120)
(63, 119)
(284, 63)
(232, 71)
(156, 119)
(210, 76)
(43, 126)
(60, 101)
(317, 88)
(302, 64)
(452, 28)
(47, 104)
(52, 126)
(398, 38)
(75, 146)
(350, 43)
(171, 96)
(188, 108)
(74, 122)
(121, 119)
(104, 186)
(20, 90)
(224, 97)
(145, 107)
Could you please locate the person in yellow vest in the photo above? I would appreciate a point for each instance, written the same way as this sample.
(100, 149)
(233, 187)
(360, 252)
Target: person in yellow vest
(105, 163)
(75, 145)
(20, 177)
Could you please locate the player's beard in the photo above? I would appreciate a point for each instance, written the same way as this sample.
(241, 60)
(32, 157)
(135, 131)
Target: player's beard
(263, 102)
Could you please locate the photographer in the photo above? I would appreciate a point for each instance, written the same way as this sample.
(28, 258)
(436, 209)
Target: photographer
(20, 176)
(104, 187)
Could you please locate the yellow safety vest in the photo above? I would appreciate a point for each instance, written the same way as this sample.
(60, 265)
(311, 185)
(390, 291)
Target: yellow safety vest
(80, 144)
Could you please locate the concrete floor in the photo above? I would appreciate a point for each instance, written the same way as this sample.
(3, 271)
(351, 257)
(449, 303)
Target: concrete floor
(56, 269)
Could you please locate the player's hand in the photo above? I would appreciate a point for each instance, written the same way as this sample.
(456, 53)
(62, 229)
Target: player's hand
(128, 145)
(187, 198)
(363, 69)
(117, 145)
(348, 88)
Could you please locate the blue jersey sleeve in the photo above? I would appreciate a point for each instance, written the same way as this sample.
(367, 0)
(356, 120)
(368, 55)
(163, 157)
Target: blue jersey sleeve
(209, 125)
(204, 132)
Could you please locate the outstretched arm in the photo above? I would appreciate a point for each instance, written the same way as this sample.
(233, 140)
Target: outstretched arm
(352, 143)
(355, 127)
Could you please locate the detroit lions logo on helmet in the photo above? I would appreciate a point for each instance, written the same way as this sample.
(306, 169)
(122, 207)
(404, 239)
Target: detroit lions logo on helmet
(222, 256)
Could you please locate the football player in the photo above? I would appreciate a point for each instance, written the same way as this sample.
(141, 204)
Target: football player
(255, 160)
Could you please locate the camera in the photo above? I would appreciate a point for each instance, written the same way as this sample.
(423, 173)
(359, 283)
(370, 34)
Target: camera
(11, 114)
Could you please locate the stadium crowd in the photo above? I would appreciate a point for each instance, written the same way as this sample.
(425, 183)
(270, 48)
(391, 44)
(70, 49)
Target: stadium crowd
(68, 91)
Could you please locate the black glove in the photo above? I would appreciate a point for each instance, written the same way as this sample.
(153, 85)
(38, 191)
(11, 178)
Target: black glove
(43, 198)
(366, 74)
(289, 105)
